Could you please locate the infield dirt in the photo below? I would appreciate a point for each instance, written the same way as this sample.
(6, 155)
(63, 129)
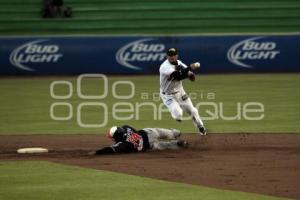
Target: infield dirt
(260, 163)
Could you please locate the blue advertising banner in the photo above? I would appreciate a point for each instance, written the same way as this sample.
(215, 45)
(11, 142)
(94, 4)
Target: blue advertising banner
(143, 55)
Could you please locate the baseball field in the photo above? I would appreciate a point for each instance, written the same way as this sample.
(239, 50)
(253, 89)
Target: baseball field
(252, 149)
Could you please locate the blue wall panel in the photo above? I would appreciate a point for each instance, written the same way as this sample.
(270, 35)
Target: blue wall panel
(143, 55)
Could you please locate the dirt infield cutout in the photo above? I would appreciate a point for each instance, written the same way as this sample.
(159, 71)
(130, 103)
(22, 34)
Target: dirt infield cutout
(260, 163)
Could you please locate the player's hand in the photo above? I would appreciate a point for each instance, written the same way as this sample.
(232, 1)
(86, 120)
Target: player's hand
(195, 65)
(191, 76)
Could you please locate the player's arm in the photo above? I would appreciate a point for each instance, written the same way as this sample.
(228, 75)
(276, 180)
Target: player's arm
(123, 147)
(126, 127)
(104, 151)
(120, 147)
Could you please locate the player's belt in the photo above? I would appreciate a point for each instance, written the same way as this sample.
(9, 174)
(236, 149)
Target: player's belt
(169, 93)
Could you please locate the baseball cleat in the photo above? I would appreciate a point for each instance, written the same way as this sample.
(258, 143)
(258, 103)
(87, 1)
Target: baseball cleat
(182, 143)
(202, 130)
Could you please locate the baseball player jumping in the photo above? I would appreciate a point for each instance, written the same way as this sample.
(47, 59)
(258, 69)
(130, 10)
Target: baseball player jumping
(172, 72)
(127, 139)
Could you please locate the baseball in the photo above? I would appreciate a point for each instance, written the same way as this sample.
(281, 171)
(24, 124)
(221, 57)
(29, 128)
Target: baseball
(197, 64)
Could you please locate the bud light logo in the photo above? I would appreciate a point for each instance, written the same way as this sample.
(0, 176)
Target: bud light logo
(139, 52)
(34, 52)
(252, 49)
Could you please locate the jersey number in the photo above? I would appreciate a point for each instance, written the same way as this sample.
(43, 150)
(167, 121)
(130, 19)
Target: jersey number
(136, 140)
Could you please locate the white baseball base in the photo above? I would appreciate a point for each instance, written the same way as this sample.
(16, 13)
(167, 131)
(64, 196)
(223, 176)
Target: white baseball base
(32, 150)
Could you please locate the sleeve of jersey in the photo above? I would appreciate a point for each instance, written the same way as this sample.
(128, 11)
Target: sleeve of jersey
(104, 151)
(182, 64)
(123, 147)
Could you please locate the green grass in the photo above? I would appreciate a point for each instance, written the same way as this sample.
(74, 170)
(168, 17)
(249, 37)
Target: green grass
(44, 180)
(25, 104)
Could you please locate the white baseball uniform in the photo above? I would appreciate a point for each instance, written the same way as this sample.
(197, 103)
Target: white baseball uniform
(161, 138)
(174, 96)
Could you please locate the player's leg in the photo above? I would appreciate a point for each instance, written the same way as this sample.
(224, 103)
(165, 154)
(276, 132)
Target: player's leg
(187, 105)
(173, 144)
(162, 133)
(173, 106)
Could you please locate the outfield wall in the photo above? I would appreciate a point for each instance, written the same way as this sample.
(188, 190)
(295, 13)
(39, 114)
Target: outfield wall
(143, 55)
